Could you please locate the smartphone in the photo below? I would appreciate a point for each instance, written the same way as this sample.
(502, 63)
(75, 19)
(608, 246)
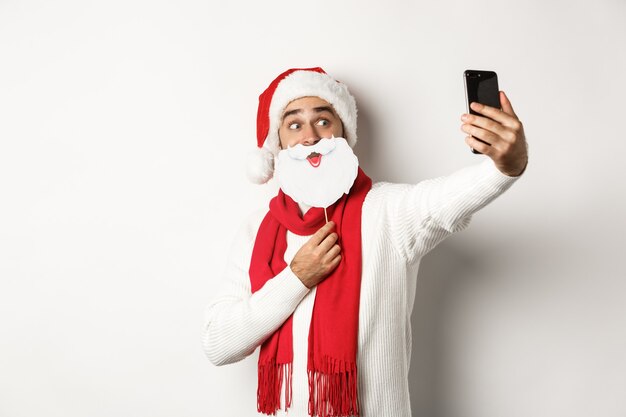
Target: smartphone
(481, 86)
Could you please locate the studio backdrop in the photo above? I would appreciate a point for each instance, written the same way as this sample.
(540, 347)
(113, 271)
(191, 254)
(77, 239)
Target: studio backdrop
(124, 131)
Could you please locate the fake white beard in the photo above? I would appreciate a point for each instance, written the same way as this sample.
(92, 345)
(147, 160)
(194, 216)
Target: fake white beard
(321, 181)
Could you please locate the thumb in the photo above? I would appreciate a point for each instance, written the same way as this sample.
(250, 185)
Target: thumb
(506, 104)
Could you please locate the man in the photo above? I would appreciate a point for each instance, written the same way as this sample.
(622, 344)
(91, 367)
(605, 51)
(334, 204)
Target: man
(329, 302)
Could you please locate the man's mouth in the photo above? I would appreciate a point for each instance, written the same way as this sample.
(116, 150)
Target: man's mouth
(315, 159)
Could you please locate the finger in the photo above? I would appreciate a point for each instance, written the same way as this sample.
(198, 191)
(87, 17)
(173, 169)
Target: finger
(491, 138)
(479, 146)
(484, 122)
(507, 107)
(322, 233)
(332, 253)
(335, 262)
(496, 114)
(328, 242)
(480, 133)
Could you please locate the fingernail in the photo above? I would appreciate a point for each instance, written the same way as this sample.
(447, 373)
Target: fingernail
(464, 117)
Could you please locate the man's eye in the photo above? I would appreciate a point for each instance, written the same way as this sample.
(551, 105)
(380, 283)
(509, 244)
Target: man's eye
(323, 122)
(294, 126)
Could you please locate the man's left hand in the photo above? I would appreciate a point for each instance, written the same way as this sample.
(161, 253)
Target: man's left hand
(503, 133)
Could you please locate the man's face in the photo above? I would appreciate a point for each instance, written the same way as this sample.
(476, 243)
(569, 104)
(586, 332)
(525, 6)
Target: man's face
(306, 120)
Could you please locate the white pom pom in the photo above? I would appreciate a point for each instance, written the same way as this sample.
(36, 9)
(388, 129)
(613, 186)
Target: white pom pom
(260, 167)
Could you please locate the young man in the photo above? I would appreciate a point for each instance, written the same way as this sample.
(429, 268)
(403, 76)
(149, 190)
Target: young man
(329, 302)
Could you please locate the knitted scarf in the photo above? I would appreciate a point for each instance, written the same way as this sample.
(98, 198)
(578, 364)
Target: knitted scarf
(333, 333)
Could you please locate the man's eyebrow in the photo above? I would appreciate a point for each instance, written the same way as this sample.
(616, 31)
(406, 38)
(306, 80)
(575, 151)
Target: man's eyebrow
(317, 110)
(290, 112)
(324, 108)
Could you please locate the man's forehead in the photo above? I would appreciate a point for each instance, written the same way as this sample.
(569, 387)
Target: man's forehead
(316, 104)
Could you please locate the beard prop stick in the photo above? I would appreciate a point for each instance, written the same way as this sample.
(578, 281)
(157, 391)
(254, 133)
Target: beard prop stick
(317, 175)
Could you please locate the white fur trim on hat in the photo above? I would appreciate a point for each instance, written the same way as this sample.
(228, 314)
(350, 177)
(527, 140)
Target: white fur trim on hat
(311, 84)
(260, 166)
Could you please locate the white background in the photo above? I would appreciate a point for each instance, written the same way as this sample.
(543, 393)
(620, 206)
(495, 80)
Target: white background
(124, 127)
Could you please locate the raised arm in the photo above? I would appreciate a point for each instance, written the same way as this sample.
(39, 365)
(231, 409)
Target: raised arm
(422, 215)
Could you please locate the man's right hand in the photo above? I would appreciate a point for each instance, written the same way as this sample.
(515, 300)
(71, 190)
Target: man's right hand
(318, 257)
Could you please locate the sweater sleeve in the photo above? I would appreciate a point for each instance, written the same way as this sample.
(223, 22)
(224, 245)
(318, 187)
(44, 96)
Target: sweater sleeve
(237, 321)
(420, 216)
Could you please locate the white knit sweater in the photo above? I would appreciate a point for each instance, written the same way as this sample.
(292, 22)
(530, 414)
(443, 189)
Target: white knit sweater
(400, 224)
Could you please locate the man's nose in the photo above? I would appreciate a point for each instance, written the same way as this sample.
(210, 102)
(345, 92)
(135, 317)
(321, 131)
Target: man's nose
(310, 135)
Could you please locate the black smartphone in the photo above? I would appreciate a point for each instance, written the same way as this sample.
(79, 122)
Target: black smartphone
(481, 86)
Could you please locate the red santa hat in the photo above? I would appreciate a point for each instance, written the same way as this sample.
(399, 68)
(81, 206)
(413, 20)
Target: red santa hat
(288, 86)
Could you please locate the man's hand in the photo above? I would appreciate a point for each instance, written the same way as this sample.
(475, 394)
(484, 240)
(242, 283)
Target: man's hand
(506, 143)
(318, 257)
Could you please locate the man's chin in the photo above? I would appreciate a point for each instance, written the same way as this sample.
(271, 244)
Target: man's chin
(318, 184)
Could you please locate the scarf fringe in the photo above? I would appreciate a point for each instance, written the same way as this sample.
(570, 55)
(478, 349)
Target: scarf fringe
(270, 385)
(333, 389)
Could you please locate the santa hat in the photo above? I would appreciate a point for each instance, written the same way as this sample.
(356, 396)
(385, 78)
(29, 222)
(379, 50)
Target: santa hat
(288, 86)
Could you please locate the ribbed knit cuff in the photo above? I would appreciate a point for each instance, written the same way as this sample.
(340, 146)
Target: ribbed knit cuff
(280, 295)
(493, 175)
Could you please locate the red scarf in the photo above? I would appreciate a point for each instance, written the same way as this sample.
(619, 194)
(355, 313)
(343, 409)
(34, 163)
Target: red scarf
(333, 333)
